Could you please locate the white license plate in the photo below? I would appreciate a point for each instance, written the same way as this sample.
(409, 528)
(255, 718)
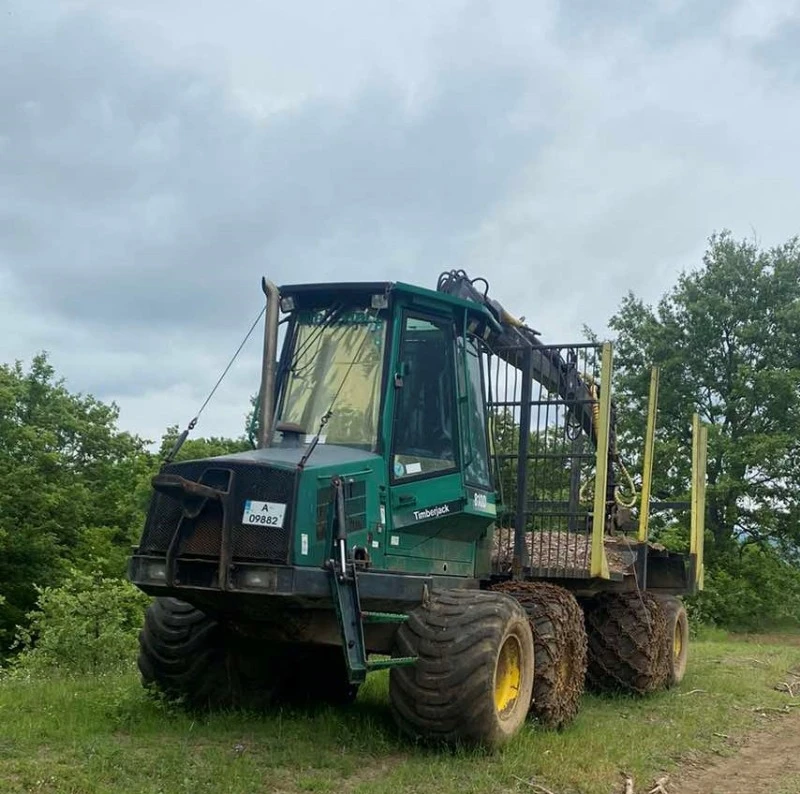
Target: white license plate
(266, 514)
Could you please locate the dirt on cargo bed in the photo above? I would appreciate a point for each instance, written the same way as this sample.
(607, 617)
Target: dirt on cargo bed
(563, 551)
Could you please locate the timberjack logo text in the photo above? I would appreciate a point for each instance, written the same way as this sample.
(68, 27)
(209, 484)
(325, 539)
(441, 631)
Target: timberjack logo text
(431, 512)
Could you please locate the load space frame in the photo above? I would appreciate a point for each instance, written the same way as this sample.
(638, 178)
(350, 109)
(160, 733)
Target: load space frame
(567, 502)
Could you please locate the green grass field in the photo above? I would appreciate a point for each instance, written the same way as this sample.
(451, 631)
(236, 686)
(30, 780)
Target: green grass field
(106, 735)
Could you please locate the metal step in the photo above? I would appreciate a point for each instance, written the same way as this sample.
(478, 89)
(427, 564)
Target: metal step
(383, 617)
(344, 589)
(395, 661)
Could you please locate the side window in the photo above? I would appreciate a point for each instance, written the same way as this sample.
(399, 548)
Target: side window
(473, 416)
(425, 438)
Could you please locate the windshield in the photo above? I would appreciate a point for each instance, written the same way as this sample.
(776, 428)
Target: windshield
(336, 366)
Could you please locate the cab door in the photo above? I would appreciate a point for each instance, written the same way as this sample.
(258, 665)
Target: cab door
(427, 531)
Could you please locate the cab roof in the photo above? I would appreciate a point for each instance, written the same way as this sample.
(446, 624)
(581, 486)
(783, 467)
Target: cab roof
(314, 296)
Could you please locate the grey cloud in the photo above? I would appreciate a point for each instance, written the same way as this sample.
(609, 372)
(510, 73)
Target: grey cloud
(157, 159)
(153, 200)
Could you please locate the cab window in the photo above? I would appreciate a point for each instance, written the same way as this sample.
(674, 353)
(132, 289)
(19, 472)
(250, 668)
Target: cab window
(473, 420)
(425, 434)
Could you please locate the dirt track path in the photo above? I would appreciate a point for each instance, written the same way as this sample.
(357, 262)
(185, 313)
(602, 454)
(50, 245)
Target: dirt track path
(767, 762)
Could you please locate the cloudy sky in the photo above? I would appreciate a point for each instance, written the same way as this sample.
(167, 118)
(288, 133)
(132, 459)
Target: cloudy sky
(156, 158)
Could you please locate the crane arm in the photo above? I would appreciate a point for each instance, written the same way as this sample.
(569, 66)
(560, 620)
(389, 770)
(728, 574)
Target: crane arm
(556, 374)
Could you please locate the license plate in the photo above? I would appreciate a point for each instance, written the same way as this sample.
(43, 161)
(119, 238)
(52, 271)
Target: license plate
(266, 514)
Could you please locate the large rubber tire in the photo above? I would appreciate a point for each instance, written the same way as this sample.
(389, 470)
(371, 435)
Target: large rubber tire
(192, 657)
(677, 638)
(627, 643)
(473, 679)
(182, 653)
(559, 639)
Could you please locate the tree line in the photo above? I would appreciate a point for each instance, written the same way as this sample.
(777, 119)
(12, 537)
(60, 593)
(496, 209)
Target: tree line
(74, 487)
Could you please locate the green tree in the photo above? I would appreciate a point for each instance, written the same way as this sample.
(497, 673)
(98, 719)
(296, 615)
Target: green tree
(67, 486)
(726, 340)
(196, 448)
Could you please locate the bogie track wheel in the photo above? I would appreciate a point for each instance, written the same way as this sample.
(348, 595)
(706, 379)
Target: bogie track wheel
(473, 678)
(628, 643)
(677, 638)
(559, 639)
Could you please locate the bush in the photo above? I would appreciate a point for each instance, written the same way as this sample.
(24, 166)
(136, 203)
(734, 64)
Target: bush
(88, 625)
(751, 590)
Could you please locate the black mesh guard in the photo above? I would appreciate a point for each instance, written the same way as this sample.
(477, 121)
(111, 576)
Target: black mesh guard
(202, 536)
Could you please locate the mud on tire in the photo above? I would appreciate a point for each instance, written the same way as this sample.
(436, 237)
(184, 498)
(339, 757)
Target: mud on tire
(473, 679)
(559, 639)
(628, 648)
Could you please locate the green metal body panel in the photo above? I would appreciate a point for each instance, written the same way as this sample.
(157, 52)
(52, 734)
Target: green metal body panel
(314, 518)
(423, 525)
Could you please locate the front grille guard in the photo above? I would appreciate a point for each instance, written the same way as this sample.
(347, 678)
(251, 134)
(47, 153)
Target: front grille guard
(195, 498)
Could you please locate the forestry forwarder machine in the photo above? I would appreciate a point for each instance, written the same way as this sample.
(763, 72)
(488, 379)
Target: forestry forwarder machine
(395, 514)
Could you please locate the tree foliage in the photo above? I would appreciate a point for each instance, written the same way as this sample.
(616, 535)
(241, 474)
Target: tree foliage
(726, 340)
(67, 486)
(194, 448)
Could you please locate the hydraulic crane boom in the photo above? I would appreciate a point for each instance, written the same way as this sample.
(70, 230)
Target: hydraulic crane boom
(558, 375)
(549, 368)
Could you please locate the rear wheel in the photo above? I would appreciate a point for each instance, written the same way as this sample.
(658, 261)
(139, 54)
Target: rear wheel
(677, 638)
(559, 639)
(628, 643)
(473, 679)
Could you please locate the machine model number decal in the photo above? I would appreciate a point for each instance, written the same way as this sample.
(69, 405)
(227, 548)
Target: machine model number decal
(481, 502)
(267, 514)
(404, 519)
(437, 511)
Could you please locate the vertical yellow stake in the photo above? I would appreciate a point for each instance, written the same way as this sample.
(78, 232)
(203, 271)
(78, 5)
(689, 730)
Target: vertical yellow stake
(599, 563)
(647, 467)
(702, 506)
(698, 501)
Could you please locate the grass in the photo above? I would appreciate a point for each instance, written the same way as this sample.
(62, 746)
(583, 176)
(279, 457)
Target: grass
(105, 735)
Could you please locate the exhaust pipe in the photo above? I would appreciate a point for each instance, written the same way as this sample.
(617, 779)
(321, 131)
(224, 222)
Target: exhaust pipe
(268, 364)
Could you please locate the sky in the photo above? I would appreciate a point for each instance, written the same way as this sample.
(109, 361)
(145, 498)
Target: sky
(157, 159)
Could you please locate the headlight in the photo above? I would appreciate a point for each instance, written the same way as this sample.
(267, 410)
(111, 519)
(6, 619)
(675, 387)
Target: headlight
(255, 578)
(156, 571)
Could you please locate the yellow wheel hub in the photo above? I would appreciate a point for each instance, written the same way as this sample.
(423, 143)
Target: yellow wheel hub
(677, 642)
(508, 676)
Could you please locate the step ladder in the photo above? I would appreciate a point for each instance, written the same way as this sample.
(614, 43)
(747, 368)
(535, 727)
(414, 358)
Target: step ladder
(344, 588)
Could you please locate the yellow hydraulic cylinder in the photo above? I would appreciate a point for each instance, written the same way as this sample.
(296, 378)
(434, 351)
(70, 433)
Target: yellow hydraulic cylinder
(599, 563)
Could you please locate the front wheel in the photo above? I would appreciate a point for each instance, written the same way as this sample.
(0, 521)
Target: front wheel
(182, 653)
(473, 679)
